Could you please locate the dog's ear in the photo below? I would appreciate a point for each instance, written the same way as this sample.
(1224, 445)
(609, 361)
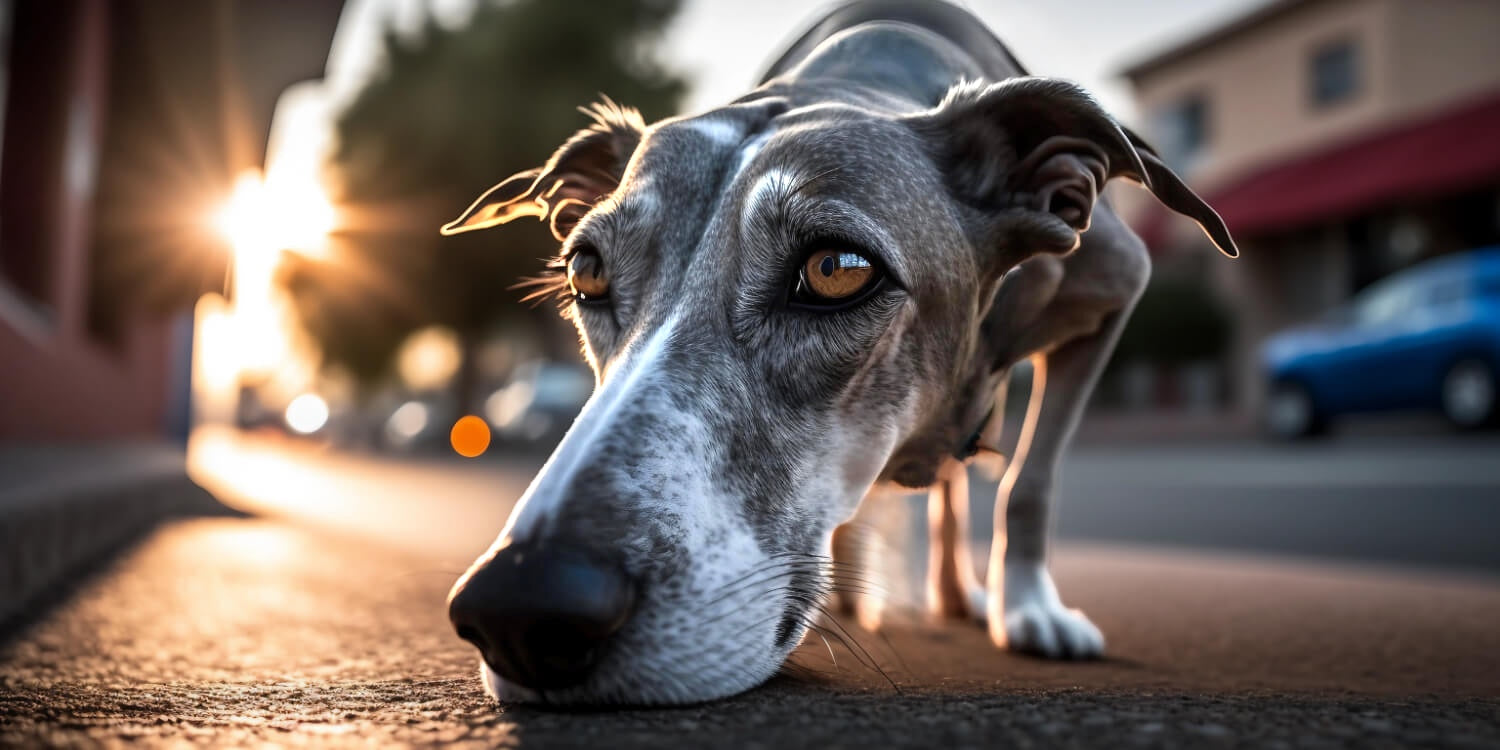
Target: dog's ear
(586, 169)
(1032, 155)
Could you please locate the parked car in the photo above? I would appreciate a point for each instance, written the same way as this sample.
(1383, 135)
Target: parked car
(1427, 338)
(539, 403)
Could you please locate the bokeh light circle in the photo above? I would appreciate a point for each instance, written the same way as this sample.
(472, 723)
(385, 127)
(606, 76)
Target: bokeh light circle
(307, 413)
(470, 436)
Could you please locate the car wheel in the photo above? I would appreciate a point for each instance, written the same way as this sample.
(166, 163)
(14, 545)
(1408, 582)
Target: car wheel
(1469, 394)
(1290, 412)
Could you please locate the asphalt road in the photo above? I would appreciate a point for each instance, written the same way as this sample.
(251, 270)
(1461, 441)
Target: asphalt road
(1429, 502)
(280, 629)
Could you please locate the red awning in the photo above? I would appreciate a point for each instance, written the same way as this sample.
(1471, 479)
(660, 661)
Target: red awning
(1454, 150)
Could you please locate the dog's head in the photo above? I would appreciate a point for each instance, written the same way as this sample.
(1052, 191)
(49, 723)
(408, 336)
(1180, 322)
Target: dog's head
(778, 299)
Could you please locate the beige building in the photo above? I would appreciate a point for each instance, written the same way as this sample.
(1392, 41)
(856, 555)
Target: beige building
(1342, 140)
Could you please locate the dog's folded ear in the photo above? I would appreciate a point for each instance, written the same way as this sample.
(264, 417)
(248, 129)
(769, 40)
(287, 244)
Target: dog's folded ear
(1032, 155)
(586, 169)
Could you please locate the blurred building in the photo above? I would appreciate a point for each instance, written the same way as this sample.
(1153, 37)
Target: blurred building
(1341, 140)
(125, 123)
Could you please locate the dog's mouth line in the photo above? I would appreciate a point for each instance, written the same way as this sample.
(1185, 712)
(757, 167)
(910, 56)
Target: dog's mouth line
(673, 690)
(790, 620)
(782, 593)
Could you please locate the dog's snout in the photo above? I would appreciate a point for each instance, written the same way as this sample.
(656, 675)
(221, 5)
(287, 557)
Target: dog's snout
(542, 614)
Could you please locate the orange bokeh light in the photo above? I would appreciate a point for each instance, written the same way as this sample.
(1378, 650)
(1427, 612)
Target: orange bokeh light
(470, 436)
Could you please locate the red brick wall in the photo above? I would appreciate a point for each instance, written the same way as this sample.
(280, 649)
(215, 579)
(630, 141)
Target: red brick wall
(56, 381)
(66, 387)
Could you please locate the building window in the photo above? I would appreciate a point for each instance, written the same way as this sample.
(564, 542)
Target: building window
(36, 70)
(1183, 131)
(1334, 74)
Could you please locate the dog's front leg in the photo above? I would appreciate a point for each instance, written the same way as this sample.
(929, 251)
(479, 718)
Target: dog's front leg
(952, 590)
(1024, 610)
(1072, 341)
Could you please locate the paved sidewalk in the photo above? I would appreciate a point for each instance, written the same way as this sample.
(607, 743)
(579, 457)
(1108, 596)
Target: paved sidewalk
(230, 632)
(321, 621)
(65, 506)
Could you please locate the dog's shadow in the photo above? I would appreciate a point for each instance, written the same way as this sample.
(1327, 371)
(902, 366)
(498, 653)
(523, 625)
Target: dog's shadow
(901, 664)
(921, 655)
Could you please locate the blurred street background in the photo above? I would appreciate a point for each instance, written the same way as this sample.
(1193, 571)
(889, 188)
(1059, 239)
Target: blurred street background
(256, 415)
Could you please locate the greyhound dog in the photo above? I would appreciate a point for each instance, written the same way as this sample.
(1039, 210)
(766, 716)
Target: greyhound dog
(815, 289)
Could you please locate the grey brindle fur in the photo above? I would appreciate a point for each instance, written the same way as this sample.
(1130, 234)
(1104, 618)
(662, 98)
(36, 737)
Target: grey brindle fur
(731, 432)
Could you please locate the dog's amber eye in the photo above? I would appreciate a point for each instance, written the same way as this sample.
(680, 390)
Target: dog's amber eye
(586, 277)
(836, 274)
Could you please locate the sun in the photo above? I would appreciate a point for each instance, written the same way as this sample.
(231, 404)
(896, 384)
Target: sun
(267, 215)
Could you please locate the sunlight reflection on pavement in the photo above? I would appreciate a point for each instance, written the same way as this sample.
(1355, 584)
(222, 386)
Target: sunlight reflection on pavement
(445, 508)
(245, 630)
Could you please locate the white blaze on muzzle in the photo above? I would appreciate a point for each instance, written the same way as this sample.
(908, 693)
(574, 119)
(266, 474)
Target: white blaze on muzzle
(706, 629)
(537, 511)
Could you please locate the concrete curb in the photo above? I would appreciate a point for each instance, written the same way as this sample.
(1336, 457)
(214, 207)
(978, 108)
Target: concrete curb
(65, 508)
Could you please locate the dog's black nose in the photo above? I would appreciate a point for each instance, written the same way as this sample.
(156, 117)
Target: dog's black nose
(540, 614)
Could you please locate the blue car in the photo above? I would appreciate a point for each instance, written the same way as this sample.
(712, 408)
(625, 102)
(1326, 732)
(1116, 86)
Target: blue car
(1427, 338)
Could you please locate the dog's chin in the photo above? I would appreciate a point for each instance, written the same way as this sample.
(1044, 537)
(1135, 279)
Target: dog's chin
(504, 690)
(649, 691)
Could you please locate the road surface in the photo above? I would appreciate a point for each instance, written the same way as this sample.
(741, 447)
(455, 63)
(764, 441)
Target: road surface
(320, 620)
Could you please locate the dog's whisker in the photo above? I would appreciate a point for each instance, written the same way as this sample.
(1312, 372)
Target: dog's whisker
(905, 668)
(812, 602)
(858, 648)
(797, 668)
(734, 597)
(762, 569)
(825, 634)
(871, 589)
(826, 645)
(768, 572)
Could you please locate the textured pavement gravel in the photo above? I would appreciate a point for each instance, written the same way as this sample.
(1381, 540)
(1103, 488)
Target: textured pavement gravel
(231, 631)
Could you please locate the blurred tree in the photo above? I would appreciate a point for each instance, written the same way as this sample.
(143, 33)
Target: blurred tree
(453, 112)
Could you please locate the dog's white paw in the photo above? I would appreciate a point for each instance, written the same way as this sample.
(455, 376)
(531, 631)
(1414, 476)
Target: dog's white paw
(1053, 631)
(1034, 620)
(977, 601)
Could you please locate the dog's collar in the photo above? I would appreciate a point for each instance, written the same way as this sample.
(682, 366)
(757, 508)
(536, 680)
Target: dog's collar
(970, 445)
